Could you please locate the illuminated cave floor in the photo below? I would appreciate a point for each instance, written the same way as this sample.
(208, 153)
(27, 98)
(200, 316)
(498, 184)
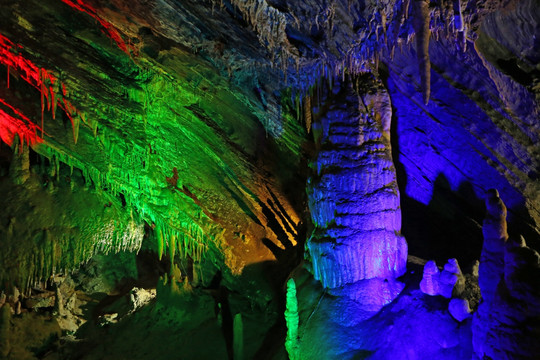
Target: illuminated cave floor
(414, 326)
(183, 324)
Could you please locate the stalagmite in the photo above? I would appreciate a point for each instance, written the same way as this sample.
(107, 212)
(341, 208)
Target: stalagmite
(505, 325)
(452, 281)
(354, 200)
(430, 280)
(459, 309)
(238, 337)
(495, 234)
(491, 268)
(448, 283)
(291, 318)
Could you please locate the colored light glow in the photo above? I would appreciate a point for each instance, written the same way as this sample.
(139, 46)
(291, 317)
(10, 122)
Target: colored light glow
(446, 148)
(38, 77)
(19, 124)
(42, 79)
(110, 30)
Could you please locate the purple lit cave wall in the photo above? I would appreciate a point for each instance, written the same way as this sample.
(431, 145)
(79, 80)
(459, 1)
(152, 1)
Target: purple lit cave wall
(270, 179)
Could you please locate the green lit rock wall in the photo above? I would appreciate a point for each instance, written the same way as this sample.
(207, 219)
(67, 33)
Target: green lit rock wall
(161, 130)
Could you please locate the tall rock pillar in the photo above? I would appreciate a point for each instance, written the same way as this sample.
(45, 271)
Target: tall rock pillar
(356, 247)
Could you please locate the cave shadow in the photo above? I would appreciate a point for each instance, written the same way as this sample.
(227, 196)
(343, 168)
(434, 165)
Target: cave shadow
(278, 273)
(520, 223)
(449, 226)
(288, 257)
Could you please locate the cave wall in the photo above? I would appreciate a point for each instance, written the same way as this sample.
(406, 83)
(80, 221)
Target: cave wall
(156, 127)
(479, 131)
(193, 127)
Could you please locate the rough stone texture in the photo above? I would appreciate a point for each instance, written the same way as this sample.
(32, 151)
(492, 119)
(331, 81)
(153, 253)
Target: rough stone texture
(495, 233)
(408, 328)
(449, 282)
(511, 329)
(430, 279)
(186, 120)
(140, 297)
(372, 294)
(353, 196)
(452, 281)
(506, 324)
(448, 155)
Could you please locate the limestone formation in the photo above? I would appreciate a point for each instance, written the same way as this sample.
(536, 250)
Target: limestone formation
(430, 280)
(506, 323)
(495, 234)
(186, 125)
(449, 283)
(353, 197)
(421, 28)
(238, 337)
(291, 319)
(139, 297)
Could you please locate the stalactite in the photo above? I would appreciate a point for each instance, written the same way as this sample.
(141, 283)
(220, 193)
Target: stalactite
(421, 28)
(42, 79)
(307, 112)
(269, 24)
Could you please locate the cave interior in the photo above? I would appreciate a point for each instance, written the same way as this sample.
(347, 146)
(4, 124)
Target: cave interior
(270, 179)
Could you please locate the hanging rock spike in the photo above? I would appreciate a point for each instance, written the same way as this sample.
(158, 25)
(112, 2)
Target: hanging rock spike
(421, 28)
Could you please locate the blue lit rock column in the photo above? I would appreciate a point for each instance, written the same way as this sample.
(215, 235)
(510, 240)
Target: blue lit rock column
(356, 248)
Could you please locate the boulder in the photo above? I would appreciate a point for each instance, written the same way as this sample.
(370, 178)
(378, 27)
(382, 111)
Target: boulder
(459, 309)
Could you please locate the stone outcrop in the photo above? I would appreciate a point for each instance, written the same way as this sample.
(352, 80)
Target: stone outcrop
(506, 325)
(495, 235)
(354, 199)
(459, 309)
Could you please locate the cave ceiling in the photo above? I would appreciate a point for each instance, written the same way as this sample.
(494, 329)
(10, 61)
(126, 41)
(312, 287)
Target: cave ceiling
(195, 117)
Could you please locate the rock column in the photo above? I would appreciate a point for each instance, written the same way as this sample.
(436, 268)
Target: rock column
(354, 199)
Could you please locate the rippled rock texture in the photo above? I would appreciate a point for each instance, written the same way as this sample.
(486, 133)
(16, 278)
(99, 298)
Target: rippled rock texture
(353, 197)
